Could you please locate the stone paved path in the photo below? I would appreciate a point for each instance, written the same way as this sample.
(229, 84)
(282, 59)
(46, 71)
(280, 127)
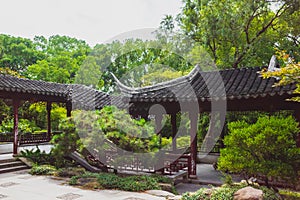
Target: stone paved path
(21, 185)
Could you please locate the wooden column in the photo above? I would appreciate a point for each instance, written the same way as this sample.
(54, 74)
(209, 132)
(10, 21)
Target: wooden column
(16, 104)
(174, 131)
(49, 106)
(69, 108)
(193, 134)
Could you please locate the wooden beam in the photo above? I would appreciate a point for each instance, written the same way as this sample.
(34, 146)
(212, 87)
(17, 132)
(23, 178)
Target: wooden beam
(193, 135)
(49, 106)
(16, 104)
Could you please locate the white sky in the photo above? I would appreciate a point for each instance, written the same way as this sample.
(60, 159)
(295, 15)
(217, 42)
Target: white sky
(94, 21)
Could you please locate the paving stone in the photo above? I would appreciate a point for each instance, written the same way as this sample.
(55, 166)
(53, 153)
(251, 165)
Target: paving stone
(8, 184)
(69, 196)
(25, 177)
(26, 171)
(133, 198)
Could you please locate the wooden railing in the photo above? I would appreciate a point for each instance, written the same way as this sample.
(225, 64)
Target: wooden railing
(173, 163)
(29, 138)
(26, 138)
(6, 137)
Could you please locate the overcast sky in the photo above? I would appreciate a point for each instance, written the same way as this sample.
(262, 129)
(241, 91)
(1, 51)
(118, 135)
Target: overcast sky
(94, 21)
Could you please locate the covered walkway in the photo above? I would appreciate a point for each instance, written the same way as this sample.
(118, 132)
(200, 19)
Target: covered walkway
(213, 91)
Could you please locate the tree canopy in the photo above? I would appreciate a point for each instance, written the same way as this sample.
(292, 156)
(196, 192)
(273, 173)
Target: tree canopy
(240, 33)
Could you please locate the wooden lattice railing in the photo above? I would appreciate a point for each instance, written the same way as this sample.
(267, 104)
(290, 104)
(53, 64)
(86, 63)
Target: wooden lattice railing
(26, 138)
(173, 163)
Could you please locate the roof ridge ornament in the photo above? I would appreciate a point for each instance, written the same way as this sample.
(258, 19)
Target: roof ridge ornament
(273, 64)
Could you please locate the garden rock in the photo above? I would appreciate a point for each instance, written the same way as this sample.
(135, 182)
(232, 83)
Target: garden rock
(248, 193)
(177, 197)
(160, 193)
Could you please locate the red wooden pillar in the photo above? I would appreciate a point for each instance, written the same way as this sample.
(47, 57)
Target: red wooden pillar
(174, 131)
(193, 134)
(49, 106)
(69, 108)
(16, 104)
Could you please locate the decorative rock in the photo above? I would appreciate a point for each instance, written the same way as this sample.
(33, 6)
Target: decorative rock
(160, 193)
(248, 193)
(177, 197)
(166, 187)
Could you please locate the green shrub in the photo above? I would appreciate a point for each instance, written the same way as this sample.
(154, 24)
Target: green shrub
(227, 179)
(129, 134)
(183, 142)
(226, 192)
(290, 195)
(70, 172)
(24, 126)
(162, 179)
(65, 143)
(264, 149)
(36, 156)
(42, 170)
(113, 181)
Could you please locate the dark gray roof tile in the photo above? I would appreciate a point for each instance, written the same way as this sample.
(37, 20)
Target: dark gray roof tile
(229, 84)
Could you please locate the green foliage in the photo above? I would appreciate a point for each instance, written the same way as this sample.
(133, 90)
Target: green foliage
(127, 133)
(17, 53)
(288, 74)
(112, 181)
(134, 59)
(38, 113)
(70, 172)
(36, 156)
(46, 71)
(266, 148)
(226, 192)
(7, 71)
(62, 57)
(240, 33)
(42, 170)
(89, 73)
(160, 75)
(24, 126)
(183, 142)
(227, 178)
(289, 195)
(65, 143)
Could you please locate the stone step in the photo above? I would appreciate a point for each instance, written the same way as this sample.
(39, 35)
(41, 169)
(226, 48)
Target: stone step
(13, 169)
(13, 163)
(7, 160)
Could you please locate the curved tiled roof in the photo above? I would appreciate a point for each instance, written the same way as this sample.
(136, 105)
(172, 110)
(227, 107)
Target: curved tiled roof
(197, 85)
(21, 85)
(206, 86)
(79, 95)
